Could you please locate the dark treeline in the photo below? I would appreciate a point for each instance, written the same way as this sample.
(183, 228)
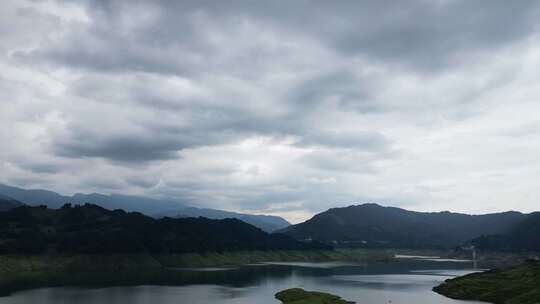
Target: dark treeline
(91, 229)
(372, 225)
(524, 236)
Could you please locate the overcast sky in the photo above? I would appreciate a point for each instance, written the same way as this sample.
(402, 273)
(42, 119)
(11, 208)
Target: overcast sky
(275, 107)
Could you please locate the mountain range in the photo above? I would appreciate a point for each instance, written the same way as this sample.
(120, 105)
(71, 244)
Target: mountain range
(91, 229)
(267, 223)
(147, 206)
(372, 225)
(366, 225)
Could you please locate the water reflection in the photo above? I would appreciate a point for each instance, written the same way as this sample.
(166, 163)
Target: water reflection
(399, 283)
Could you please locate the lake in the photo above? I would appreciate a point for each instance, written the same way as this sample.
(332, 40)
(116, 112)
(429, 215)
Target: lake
(406, 282)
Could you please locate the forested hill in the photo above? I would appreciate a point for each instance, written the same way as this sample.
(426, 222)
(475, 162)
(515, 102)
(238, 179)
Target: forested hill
(7, 203)
(524, 236)
(148, 206)
(514, 285)
(267, 223)
(92, 229)
(372, 225)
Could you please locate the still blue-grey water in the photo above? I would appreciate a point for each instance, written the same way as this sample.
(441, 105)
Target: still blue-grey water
(407, 282)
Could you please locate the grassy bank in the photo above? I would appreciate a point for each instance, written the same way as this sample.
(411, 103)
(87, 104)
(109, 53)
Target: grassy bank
(27, 272)
(253, 257)
(513, 285)
(21, 272)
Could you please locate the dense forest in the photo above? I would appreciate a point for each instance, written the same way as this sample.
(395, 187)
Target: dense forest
(372, 225)
(91, 229)
(152, 207)
(514, 285)
(524, 236)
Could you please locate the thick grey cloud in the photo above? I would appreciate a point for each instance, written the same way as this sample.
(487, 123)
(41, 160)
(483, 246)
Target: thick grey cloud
(125, 148)
(273, 107)
(348, 90)
(417, 34)
(41, 167)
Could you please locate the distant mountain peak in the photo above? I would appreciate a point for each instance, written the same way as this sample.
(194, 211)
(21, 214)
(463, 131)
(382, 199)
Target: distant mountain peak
(374, 225)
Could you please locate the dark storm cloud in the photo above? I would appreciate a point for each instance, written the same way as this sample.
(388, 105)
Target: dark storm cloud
(417, 34)
(436, 34)
(42, 167)
(161, 142)
(346, 89)
(132, 147)
(121, 149)
(209, 120)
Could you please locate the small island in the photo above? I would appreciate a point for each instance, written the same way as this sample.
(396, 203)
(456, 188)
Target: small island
(300, 296)
(514, 285)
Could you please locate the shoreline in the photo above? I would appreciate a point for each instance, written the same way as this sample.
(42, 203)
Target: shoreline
(516, 284)
(24, 272)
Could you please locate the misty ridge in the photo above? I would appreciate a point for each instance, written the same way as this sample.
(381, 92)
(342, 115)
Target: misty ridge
(151, 207)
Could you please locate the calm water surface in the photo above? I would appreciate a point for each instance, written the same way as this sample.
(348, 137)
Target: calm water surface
(407, 282)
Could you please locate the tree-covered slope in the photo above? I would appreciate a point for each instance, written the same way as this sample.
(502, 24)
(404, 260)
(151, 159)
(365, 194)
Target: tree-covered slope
(152, 207)
(92, 229)
(523, 236)
(515, 285)
(267, 223)
(371, 225)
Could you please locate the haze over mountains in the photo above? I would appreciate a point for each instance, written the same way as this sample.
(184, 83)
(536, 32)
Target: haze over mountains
(7, 203)
(148, 206)
(268, 223)
(372, 225)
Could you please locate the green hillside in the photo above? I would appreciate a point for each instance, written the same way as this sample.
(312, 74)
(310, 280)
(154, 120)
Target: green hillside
(514, 285)
(90, 229)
